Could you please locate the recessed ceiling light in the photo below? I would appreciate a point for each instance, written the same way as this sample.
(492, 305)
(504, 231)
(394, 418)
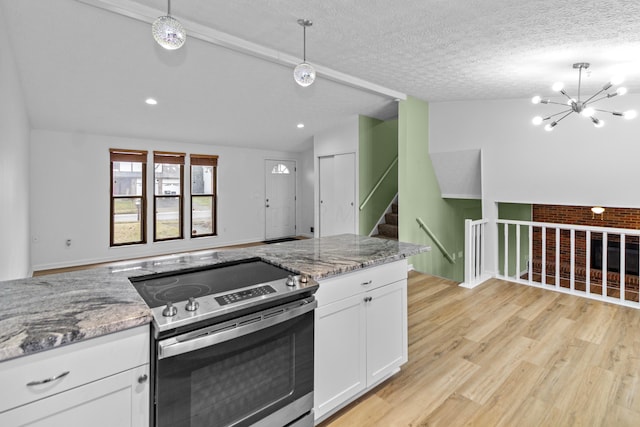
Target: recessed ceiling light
(300, 125)
(151, 101)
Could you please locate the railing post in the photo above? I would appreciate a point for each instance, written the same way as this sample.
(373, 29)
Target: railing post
(530, 257)
(572, 275)
(588, 263)
(543, 231)
(557, 257)
(506, 250)
(469, 260)
(605, 267)
(623, 254)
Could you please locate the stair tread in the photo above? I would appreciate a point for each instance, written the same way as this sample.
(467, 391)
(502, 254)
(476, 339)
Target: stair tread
(391, 218)
(388, 230)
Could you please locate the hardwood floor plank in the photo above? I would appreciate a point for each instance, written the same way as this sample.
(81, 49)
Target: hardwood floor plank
(482, 385)
(505, 354)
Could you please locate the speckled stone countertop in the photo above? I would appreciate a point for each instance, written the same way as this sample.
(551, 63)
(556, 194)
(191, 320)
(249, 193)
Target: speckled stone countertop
(44, 312)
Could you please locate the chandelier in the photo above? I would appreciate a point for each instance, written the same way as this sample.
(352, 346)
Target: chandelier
(304, 74)
(577, 105)
(168, 31)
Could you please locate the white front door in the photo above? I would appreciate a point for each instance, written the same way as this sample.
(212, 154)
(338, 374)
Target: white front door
(280, 198)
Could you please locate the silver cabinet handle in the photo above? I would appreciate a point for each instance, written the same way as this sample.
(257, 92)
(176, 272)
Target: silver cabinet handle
(48, 380)
(367, 283)
(368, 299)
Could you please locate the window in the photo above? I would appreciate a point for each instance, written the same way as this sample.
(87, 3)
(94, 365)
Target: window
(203, 195)
(128, 182)
(167, 200)
(280, 169)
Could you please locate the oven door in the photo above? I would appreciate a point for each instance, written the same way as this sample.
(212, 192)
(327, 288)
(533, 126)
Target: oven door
(254, 370)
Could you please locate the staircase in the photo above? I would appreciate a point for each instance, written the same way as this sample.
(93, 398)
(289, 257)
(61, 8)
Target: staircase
(389, 229)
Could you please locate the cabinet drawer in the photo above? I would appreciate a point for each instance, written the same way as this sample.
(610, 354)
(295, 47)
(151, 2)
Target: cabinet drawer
(71, 366)
(349, 284)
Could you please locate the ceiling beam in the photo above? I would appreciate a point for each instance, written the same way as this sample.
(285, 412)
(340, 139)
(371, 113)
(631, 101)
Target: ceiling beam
(147, 14)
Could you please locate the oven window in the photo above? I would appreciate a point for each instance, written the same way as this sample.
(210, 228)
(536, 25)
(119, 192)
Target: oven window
(255, 378)
(237, 382)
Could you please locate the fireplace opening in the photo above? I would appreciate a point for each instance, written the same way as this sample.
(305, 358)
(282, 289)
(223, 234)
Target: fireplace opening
(631, 263)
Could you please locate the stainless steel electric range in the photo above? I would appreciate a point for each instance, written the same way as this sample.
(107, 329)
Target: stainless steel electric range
(233, 345)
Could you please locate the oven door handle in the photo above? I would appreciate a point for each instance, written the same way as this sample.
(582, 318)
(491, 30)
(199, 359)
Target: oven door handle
(175, 346)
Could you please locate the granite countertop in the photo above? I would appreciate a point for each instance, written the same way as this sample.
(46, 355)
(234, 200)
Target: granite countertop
(44, 312)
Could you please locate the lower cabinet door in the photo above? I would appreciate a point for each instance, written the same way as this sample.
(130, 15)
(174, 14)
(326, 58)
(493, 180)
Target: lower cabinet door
(119, 400)
(340, 362)
(386, 310)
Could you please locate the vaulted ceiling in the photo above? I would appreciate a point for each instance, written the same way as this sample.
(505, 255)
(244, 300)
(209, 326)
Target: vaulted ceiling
(88, 65)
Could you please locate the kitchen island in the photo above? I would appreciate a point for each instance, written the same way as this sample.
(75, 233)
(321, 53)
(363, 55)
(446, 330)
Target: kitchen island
(44, 312)
(48, 312)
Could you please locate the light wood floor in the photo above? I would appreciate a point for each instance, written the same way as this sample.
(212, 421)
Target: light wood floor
(504, 354)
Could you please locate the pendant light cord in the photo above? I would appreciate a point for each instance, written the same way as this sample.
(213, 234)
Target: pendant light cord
(304, 43)
(168, 7)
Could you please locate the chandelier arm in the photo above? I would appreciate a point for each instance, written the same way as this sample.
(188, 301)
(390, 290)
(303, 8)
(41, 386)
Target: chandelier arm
(599, 99)
(557, 114)
(558, 121)
(567, 95)
(594, 95)
(615, 113)
(557, 103)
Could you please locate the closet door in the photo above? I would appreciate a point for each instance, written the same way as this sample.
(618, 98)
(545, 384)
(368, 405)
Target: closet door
(337, 194)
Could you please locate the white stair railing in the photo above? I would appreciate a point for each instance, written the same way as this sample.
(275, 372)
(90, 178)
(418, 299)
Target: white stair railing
(474, 260)
(559, 257)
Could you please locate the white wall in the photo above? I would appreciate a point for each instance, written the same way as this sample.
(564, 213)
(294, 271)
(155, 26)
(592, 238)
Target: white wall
(305, 177)
(70, 197)
(340, 139)
(575, 164)
(14, 167)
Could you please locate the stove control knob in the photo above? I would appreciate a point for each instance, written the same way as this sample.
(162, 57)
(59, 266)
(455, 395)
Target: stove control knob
(291, 281)
(170, 310)
(192, 305)
(304, 279)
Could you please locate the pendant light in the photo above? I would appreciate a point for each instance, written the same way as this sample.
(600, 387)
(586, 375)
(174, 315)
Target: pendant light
(168, 31)
(304, 74)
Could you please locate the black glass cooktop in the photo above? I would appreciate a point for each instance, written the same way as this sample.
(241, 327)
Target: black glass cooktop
(158, 290)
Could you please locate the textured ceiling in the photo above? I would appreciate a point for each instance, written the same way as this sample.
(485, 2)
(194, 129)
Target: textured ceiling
(85, 69)
(440, 50)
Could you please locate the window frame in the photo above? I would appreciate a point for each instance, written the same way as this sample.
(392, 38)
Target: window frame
(166, 157)
(205, 160)
(131, 156)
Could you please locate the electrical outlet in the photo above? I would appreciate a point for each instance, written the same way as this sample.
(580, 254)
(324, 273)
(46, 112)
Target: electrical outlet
(311, 229)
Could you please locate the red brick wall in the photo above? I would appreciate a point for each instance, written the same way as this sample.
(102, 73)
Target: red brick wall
(579, 215)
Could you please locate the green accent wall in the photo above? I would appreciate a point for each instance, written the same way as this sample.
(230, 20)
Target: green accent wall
(420, 197)
(378, 147)
(514, 211)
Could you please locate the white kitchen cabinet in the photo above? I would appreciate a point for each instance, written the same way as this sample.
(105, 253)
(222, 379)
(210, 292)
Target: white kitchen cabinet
(361, 334)
(99, 382)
